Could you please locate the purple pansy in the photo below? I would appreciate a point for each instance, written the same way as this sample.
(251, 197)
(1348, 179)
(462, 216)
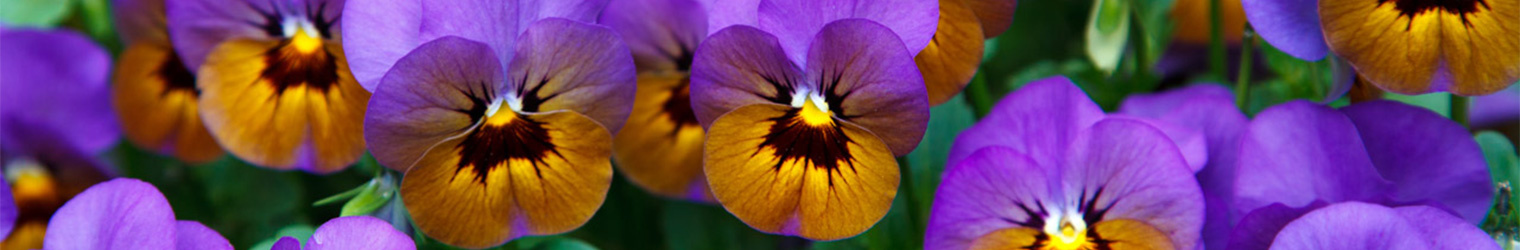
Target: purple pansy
(352, 232)
(125, 214)
(1047, 169)
(1357, 225)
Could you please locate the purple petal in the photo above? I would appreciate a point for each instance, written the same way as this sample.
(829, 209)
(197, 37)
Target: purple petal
(1211, 109)
(428, 98)
(198, 26)
(1258, 228)
(1290, 25)
(1158, 105)
(56, 80)
(286, 243)
(660, 33)
(141, 21)
(7, 208)
(118, 214)
(1426, 156)
(1135, 171)
(1039, 121)
(1190, 142)
(724, 13)
(191, 235)
(574, 66)
(1351, 225)
(1299, 152)
(796, 22)
(738, 66)
(1497, 108)
(874, 77)
(358, 232)
(1445, 230)
(983, 194)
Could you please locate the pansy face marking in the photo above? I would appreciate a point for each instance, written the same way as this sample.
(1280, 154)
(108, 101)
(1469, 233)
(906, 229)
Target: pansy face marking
(1410, 8)
(504, 136)
(1420, 46)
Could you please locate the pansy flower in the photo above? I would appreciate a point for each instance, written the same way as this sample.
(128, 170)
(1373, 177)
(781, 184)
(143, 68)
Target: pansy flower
(275, 86)
(805, 113)
(126, 214)
(55, 117)
(351, 232)
(955, 51)
(504, 125)
(1048, 170)
(1404, 46)
(155, 94)
(1357, 225)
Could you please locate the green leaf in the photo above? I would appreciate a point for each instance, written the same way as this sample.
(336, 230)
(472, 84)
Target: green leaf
(378, 192)
(564, 243)
(1499, 152)
(1439, 102)
(693, 226)
(1107, 33)
(927, 162)
(34, 13)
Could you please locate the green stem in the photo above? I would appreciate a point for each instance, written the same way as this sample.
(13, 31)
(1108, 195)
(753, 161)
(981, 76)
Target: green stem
(1459, 109)
(1243, 81)
(904, 170)
(1217, 55)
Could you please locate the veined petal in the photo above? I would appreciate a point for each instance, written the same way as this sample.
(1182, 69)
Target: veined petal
(1124, 169)
(1445, 230)
(1038, 121)
(157, 101)
(1351, 225)
(58, 80)
(561, 64)
(436, 93)
(198, 27)
(955, 51)
(141, 21)
(1426, 156)
(995, 15)
(278, 105)
(1299, 152)
(118, 214)
(1292, 26)
(724, 13)
(660, 149)
(358, 232)
(191, 235)
(867, 78)
(1189, 141)
(987, 194)
(1134, 234)
(521, 174)
(1414, 47)
(782, 173)
(1003, 239)
(797, 22)
(662, 34)
(739, 66)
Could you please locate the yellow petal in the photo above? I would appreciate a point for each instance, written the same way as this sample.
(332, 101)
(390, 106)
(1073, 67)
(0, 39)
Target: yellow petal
(951, 58)
(1131, 234)
(1007, 238)
(1406, 51)
(781, 175)
(280, 107)
(155, 98)
(536, 174)
(660, 148)
(1119, 234)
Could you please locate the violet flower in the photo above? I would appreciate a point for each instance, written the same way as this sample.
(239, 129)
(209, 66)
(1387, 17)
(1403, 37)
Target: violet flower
(125, 214)
(352, 232)
(1048, 170)
(500, 113)
(154, 93)
(1357, 225)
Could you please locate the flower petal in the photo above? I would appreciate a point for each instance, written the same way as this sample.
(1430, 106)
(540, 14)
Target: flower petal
(191, 235)
(828, 181)
(1007, 238)
(1039, 121)
(156, 99)
(198, 27)
(8, 210)
(1426, 156)
(1470, 42)
(724, 13)
(992, 189)
(1447, 47)
(117, 214)
(141, 21)
(1292, 26)
(1497, 108)
(435, 93)
(1299, 152)
(57, 80)
(286, 243)
(358, 232)
(740, 66)
(1350, 225)
(867, 78)
(662, 34)
(955, 51)
(796, 22)
(1190, 142)
(1132, 171)
(1445, 230)
(995, 15)
(567, 65)
(660, 149)
(278, 106)
(1257, 229)
(1133, 234)
(1210, 109)
(540, 174)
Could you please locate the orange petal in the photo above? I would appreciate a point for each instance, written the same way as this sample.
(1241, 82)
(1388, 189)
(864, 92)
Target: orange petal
(829, 180)
(155, 97)
(1192, 19)
(1484, 57)
(1131, 234)
(995, 15)
(951, 58)
(303, 111)
(1007, 238)
(534, 174)
(1435, 49)
(660, 148)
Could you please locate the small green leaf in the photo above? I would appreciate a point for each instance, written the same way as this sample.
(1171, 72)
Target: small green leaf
(1503, 165)
(1107, 33)
(372, 196)
(34, 13)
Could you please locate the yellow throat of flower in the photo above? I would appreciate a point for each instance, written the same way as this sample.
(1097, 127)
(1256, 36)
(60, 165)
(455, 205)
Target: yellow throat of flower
(815, 113)
(30, 181)
(1068, 232)
(304, 42)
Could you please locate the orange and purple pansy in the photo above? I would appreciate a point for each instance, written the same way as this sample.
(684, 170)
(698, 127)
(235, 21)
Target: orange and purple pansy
(155, 94)
(805, 111)
(955, 51)
(500, 113)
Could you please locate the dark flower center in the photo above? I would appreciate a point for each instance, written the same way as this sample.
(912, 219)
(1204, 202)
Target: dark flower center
(517, 138)
(177, 78)
(289, 67)
(816, 145)
(1411, 8)
(678, 107)
(1088, 208)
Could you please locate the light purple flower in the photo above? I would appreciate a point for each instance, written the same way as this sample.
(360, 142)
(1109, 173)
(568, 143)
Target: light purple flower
(1048, 169)
(125, 214)
(352, 232)
(1357, 225)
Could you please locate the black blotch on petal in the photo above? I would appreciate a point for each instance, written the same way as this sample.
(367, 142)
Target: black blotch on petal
(176, 77)
(1412, 8)
(287, 68)
(678, 107)
(492, 145)
(820, 146)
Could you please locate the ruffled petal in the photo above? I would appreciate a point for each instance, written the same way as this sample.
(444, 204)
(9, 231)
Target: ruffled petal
(660, 149)
(282, 106)
(662, 34)
(1445, 230)
(1039, 121)
(1426, 156)
(118, 214)
(157, 102)
(1130, 170)
(867, 78)
(1257, 229)
(796, 22)
(567, 65)
(1351, 225)
(995, 15)
(991, 190)
(436, 93)
(358, 232)
(57, 80)
(141, 21)
(1292, 26)
(519, 175)
(740, 66)
(783, 173)
(1414, 49)
(191, 235)
(1299, 152)
(955, 51)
